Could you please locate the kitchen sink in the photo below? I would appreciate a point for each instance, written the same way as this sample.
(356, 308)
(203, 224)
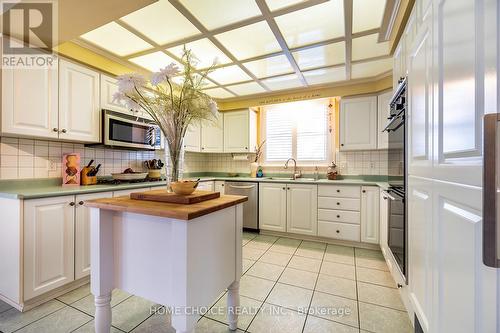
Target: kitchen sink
(291, 179)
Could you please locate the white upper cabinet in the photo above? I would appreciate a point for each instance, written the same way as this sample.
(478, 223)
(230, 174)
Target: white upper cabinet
(48, 244)
(384, 112)
(302, 209)
(370, 214)
(240, 131)
(29, 102)
(109, 86)
(192, 138)
(272, 207)
(79, 112)
(358, 123)
(212, 135)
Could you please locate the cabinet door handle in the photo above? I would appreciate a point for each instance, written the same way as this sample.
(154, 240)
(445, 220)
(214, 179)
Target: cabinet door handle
(342, 144)
(491, 236)
(338, 216)
(338, 231)
(63, 130)
(284, 188)
(81, 203)
(338, 203)
(246, 148)
(71, 203)
(55, 129)
(364, 191)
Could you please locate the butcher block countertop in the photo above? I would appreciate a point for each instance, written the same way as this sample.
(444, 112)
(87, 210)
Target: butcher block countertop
(163, 209)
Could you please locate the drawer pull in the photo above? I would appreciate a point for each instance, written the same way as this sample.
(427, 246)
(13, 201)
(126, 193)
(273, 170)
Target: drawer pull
(338, 203)
(338, 231)
(80, 203)
(71, 203)
(338, 216)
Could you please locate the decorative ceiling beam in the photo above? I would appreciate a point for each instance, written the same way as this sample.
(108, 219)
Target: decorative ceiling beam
(348, 37)
(281, 40)
(187, 14)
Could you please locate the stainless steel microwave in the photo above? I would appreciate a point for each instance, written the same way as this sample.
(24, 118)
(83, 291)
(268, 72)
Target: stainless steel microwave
(120, 130)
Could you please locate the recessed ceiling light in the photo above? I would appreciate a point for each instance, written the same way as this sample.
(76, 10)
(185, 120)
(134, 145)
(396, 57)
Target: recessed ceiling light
(325, 75)
(368, 47)
(217, 13)
(229, 74)
(161, 22)
(270, 66)
(320, 56)
(367, 14)
(371, 68)
(313, 24)
(278, 4)
(283, 82)
(218, 93)
(204, 50)
(250, 41)
(114, 38)
(154, 61)
(247, 88)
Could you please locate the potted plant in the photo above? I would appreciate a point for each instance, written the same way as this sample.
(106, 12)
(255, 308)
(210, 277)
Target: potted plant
(172, 106)
(255, 164)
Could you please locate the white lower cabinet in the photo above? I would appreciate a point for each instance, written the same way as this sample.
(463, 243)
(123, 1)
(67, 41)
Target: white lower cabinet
(206, 186)
(302, 208)
(272, 206)
(82, 233)
(219, 186)
(288, 208)
(57, 241)
(370, 214)
(48, 244)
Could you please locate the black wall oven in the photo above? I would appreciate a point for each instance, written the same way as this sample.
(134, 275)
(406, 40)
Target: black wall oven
(396, 194)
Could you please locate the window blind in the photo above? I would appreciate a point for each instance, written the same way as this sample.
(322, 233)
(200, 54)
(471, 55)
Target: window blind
(298, 130)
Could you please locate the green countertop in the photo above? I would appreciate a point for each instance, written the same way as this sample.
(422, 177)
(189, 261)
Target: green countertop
(43, 188)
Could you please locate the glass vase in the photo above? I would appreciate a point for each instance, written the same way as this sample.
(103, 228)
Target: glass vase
(174, 166)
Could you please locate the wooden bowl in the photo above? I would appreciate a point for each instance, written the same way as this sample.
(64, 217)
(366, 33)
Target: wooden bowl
(184, 187)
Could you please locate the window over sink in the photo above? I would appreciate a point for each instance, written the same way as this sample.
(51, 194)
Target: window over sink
(299, 130)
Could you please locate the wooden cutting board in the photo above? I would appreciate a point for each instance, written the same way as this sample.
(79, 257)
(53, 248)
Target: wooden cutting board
(164, 196)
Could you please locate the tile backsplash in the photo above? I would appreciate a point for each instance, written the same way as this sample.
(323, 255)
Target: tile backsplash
(31, 158)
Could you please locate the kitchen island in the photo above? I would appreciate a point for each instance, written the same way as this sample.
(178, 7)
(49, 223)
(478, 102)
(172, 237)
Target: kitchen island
(180, 256)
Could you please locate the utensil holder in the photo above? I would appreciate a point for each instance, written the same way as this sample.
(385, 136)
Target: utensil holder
(154, 173)
(87, 180)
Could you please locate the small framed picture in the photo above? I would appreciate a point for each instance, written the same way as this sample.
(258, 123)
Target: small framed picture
(71, 169)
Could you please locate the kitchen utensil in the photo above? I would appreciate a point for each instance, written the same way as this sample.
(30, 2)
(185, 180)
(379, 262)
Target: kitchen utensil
(129, 176)
(96, 170)
(90, 163)
(197, 182)
(160, 164)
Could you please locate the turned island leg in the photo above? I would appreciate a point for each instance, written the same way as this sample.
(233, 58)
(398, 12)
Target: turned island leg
(233, 304)
(102, 313)
(101, 275)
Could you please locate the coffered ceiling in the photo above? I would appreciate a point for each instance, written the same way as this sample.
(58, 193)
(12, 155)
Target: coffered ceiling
(261, 46)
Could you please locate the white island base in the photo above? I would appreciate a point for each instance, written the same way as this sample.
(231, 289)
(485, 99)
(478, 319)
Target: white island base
(182, 264)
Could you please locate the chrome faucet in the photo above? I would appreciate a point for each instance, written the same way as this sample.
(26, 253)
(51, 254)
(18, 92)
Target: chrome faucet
(295, 173)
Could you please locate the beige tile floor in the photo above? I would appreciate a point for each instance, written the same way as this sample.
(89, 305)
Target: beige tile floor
(287, 286)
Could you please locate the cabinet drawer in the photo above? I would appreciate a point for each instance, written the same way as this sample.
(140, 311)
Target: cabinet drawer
(339, 216)
(339, 203)
(342, 191)
(342, 231)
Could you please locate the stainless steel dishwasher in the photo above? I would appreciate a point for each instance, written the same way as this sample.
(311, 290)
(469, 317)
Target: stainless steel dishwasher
(250, 207)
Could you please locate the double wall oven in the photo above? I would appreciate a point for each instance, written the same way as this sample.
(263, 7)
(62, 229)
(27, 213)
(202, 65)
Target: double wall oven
(396, 194)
